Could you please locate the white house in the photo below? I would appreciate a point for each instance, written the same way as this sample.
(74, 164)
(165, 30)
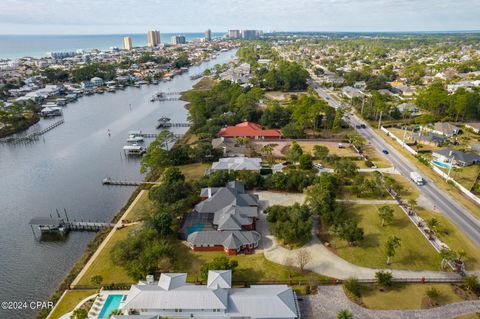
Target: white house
(173, 297)
(236, 164)
(96, 81)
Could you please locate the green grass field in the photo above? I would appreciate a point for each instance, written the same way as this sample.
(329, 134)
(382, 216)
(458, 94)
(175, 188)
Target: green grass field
(406, 296)
(70, 300)
(415, 251)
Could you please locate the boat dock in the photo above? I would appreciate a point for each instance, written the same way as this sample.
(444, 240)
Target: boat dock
(165, 96)
(172, 124)
(109, 181)
(32, 136)
(60, 225)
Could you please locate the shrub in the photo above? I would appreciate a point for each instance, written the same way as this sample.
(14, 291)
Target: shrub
(384, 278)
(353, 286)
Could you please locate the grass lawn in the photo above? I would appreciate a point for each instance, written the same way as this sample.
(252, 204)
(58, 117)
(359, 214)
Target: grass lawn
(406, 296)
(143, 207)
(205, 83)
(103, 264)
(468, 316)
(332, 148)
(454, 238)
(424, 170)
(376, 158)
(409, 190)
(194, 171)
(70, 300)
(466, 176)
(253, 267)
(415, 251)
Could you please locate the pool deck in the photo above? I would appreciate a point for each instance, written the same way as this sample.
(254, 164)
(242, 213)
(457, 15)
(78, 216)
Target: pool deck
(99, 302)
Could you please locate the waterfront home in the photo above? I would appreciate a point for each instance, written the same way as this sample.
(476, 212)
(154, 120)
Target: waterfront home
(236, 164)
(173, 297)
(96, 81)
(86, 85)
(249, 130)
(51, 111)
(230, 146)
(458, 158)
(225, 220)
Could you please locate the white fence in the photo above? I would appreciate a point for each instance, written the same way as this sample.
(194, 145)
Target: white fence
(435, 169)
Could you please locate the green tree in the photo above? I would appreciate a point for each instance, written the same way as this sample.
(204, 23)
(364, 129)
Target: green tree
(96, 280)
(384, 278)
(391, 246)
(305, 162)
(447, 255)
(295, 152)
(386, 214)
(157, 152)
(218, 263)
(433, 293)
(320, 152)
(350, 232)
(472, 283)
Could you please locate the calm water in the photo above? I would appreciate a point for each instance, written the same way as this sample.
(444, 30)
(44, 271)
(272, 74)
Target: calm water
(17, 46)
(64, 170)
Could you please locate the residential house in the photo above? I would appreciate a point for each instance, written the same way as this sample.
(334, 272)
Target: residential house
(408, 108)
(475, 127)
(236, 164)
(224, 220)
(230, 146)
(96, 81)
(351, 92)
(429, 138)
(173, 297)
(458, 158)
(446, 129)
(249, 130)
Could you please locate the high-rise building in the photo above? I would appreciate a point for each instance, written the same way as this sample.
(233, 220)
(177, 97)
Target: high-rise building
(127, 43)
(178, 39)
(153, 38)
(249, 34)
(208, 35)
(234, 34)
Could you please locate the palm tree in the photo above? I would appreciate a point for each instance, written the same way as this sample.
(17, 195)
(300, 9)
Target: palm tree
(447, 256)
(412, 203)
(433, 225)
(344, 314)
(391, 246)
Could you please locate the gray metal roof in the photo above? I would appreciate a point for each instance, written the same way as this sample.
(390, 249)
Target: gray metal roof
(238, 163)
(232, 194)
(228, 239)
(458, 155)
(234, 217)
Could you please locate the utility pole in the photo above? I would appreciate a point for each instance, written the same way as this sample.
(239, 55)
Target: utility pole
(450, 168)
(404, 136)
(380, 120)
(363, 103)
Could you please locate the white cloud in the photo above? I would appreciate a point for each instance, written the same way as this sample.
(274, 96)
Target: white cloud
(194, 15)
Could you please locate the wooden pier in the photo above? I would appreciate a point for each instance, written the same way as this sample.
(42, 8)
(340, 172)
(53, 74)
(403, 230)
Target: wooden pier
(60, 225)
(170, 124)
(109, 181)
(155, 135)
(32, 137)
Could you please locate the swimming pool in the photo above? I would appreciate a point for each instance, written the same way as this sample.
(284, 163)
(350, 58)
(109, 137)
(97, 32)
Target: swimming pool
(441, 164)
(112, 303)
(194, 228)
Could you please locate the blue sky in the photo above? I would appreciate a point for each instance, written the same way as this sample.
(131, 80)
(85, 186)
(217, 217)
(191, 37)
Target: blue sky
(131, 16)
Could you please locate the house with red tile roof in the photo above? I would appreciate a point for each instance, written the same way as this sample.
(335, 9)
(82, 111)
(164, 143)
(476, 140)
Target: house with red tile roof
(250, 130)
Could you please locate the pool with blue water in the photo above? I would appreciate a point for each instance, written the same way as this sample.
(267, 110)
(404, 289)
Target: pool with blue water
(194, 228)
(112, 303)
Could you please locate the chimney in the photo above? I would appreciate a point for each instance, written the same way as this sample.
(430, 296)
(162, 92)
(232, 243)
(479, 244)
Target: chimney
(149, 279)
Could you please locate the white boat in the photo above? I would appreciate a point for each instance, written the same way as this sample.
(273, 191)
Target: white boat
(134, 139)
(134, 149)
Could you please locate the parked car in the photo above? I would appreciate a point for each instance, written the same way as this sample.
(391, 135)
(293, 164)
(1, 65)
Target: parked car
(363, 126)
(340, 145)
(385, 152)
(318, 165)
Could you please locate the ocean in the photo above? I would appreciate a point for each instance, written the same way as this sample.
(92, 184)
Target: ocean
(17, 46)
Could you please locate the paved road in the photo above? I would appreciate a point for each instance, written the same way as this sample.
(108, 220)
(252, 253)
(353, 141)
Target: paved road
(459, 215)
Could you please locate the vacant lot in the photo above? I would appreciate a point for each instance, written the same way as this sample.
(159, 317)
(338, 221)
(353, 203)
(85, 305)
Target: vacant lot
(406, 296)
(415, 251)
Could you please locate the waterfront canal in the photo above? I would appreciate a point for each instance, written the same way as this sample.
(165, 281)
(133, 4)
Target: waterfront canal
(64, 169)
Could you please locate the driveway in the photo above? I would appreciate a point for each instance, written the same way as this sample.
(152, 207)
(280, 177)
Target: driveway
(323, 261)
